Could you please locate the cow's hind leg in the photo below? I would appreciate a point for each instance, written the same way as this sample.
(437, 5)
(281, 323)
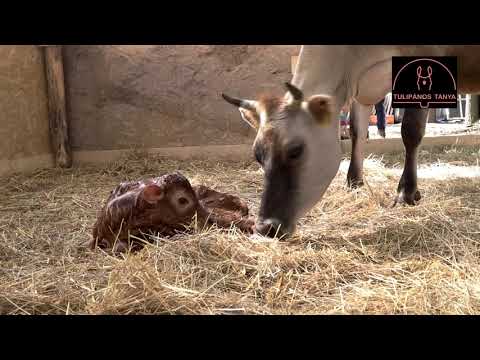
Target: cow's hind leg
(359, 119)
(413, 130)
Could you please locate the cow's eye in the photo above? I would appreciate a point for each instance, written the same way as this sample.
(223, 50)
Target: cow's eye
(295, 151)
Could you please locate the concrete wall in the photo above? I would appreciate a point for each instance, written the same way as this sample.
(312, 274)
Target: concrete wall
(166, 96)
(24, 143)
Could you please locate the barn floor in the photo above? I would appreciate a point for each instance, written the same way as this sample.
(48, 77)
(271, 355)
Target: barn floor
(393, 131)
(353, 254)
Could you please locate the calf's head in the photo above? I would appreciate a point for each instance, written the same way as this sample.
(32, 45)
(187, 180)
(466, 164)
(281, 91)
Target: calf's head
(297, 145)
(169, 200)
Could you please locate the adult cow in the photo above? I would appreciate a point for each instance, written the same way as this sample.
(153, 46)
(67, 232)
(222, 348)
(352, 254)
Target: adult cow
(297, 141)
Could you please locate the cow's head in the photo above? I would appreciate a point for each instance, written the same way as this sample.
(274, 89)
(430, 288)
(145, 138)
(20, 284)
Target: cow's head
(298, 148)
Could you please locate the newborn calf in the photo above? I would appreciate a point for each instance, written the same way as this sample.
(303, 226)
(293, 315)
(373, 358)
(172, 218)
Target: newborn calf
(163, 205)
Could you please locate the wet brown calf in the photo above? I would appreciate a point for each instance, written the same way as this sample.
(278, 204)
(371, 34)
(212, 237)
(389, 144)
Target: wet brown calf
(166, 206)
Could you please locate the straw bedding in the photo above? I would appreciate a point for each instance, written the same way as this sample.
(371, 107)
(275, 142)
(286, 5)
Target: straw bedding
(353, 254)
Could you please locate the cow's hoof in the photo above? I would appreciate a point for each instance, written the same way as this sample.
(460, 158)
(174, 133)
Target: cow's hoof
(353, 180)
(354, 183)
(407, 198)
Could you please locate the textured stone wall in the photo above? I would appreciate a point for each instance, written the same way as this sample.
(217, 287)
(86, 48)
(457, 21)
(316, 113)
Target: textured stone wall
(159, 96)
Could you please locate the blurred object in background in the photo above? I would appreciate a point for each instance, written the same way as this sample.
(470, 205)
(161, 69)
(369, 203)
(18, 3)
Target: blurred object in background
(380, 112)
(344, 123)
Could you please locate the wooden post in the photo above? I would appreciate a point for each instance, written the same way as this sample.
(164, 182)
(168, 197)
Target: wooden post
(294, 62)
(56, 105)
(474, 109)
(468, 108)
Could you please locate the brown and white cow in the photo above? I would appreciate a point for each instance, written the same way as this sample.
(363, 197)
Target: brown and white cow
(297, 141)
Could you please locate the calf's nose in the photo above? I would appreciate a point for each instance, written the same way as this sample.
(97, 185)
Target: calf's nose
(271, 228)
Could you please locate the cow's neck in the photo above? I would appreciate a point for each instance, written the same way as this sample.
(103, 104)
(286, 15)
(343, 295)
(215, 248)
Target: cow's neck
(372, 73)
(322, 70)
(345, 72)
(325, 70)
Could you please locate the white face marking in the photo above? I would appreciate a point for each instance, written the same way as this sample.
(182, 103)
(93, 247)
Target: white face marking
(263, 118)
(304, 106)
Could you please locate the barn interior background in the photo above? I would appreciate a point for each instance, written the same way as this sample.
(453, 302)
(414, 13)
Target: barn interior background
(353, 254)
(119, 97)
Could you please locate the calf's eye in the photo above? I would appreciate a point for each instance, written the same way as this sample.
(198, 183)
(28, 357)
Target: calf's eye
(182, 201)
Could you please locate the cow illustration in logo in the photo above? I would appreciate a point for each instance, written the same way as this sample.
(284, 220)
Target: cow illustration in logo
(424, 83)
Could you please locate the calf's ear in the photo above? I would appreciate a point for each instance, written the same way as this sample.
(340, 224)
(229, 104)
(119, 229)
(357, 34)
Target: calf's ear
(321, 108)
(152, 193)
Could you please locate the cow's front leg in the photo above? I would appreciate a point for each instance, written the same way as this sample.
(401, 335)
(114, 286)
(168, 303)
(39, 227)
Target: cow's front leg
(359, 119)
(413, 130)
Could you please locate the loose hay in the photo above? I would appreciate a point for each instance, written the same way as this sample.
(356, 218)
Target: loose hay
(352, 254)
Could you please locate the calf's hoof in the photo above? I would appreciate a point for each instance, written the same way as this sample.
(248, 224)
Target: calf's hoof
(120, 247)
(407, 198)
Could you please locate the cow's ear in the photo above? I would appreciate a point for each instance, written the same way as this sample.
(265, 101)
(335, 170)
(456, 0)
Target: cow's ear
(321, 108)
(250, 117)
(152, 193)
(248, 109)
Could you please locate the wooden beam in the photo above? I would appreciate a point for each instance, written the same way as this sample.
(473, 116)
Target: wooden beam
(56, 105)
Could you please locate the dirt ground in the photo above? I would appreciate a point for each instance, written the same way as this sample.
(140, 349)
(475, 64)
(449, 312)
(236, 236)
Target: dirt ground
(353, 254)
